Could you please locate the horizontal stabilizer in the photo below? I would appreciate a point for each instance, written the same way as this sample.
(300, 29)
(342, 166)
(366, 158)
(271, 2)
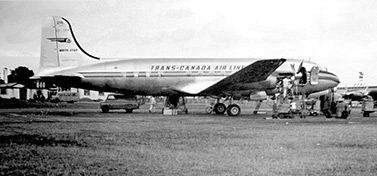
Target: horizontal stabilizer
(46, 82)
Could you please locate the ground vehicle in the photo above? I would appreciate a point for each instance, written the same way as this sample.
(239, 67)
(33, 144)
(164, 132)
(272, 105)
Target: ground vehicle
(282, 110)
(120, 101)
(334, 108)
(367, 107)
(65, 96)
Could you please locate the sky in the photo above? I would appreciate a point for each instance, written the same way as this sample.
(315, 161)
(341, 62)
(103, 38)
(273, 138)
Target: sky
(340, 35)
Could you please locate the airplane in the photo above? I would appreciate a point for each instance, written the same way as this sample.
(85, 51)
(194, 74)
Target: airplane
(65, 63)
(358, 92)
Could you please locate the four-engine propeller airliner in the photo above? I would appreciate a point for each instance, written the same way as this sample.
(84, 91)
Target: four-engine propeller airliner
(65, 63)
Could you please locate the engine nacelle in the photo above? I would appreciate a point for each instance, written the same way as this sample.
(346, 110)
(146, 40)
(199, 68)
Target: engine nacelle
(272, 91)
(270, 82)
(258, 96)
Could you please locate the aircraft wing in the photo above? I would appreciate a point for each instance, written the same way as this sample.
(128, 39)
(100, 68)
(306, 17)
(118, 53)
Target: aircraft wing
(257, 71)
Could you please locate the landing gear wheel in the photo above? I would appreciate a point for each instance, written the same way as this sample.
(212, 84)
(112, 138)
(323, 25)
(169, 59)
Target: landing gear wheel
(344, 115)
(105, 109)
(366, 114)
(219, 108)
(327, 114)
(233, 110)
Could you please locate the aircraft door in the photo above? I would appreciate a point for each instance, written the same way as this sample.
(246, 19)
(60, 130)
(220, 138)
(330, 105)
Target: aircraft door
(314, 76)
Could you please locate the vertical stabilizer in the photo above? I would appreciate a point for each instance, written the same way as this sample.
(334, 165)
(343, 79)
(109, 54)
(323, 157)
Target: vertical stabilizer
(59, 47)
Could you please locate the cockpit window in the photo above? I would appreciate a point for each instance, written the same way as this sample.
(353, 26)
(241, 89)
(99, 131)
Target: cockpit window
(322, 68)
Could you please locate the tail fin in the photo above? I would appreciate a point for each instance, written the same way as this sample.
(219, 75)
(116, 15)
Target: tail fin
(59, 47)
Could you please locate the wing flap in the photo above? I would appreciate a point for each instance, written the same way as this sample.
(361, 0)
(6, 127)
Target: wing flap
(195, 88)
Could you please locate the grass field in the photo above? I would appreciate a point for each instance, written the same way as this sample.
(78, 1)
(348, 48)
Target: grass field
(117, 143)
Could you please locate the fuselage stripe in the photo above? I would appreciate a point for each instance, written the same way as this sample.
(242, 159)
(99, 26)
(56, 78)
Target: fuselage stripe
(153, 74)
(321, 75)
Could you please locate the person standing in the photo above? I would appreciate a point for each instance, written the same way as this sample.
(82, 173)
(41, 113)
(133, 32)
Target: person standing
(327, 107)
(152, 106)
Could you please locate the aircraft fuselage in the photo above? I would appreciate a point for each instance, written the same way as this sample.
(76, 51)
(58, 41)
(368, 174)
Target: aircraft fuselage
(164, 76)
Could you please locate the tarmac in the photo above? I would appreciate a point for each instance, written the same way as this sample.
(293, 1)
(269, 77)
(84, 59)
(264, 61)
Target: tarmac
(247, 110)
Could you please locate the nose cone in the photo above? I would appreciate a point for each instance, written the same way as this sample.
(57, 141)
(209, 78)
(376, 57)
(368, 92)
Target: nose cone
(336, 79)
(330, 78)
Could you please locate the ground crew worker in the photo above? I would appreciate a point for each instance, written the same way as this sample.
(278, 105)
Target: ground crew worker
(304, 77)
(274, 110)
(293, 107)
(152, 106)
(326, 107)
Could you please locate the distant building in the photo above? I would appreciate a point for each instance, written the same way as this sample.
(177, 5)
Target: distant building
(10, 90)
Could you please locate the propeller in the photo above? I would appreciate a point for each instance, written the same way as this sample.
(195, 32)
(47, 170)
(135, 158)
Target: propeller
(293, 78)
(296, 72)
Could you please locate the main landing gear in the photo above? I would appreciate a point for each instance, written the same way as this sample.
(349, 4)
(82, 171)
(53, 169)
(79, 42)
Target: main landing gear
(231, 110)
(175, 103)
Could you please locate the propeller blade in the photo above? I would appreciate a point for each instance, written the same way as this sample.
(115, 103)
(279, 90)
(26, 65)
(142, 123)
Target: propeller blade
(293, 68)
(300, 66)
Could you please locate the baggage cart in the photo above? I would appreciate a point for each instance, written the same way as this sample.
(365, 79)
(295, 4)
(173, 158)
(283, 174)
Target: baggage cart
(367, 107)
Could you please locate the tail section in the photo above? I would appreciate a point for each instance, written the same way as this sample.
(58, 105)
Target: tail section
(59, 47)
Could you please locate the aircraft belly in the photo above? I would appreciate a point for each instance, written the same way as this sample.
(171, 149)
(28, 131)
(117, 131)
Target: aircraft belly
(165, 85)
(140, 85)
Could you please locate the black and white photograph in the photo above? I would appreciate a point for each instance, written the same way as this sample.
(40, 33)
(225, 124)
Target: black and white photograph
(177, 87)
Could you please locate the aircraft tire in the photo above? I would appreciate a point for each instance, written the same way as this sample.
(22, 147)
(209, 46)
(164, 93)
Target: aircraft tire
(233, 110)
(345, 115)
(219, 108)
(327, 114)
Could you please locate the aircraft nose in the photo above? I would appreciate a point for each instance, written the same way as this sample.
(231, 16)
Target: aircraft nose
(336, 79)
(330, 77)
